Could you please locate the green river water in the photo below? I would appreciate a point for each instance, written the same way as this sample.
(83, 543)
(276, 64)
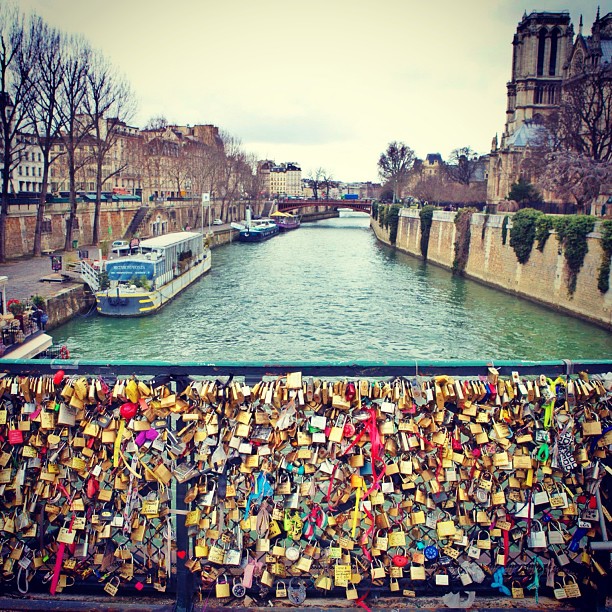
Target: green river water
(329, 291)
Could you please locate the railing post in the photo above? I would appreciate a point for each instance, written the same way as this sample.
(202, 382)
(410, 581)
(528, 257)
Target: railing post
(184, 578)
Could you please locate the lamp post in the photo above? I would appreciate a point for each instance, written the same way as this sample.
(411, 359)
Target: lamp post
(205, 200)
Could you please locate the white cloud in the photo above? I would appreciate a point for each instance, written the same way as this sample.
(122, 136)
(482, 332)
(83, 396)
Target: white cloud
(325, 83)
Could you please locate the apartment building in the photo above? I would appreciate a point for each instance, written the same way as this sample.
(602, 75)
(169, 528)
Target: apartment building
(280, 180)
(26, 175)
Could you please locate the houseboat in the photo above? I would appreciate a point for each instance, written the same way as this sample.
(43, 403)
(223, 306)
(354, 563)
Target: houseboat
(286, 221)
(255, 230)
(143, 282)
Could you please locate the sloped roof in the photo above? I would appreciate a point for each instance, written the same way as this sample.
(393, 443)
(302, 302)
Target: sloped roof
(529, 133)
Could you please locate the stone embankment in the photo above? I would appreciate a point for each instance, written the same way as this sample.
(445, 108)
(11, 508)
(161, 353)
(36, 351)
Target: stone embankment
(543, 279)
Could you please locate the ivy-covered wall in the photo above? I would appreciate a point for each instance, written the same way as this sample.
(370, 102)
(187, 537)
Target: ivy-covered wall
(544, 278)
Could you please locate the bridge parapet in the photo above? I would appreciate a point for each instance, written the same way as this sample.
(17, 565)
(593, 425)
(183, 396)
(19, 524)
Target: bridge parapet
(358, 205)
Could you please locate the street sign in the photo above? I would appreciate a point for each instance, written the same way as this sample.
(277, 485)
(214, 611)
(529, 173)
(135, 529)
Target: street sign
(56, 263)
(205, 197)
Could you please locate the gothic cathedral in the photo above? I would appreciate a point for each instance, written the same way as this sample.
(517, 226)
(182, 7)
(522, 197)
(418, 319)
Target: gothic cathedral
(544, 54)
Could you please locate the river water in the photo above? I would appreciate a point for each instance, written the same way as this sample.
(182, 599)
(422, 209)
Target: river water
(330, 291)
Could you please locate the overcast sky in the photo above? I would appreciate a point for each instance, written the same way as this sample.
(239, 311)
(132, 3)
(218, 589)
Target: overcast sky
(325, 83)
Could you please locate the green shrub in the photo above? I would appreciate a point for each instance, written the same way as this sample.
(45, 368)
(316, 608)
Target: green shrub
(573, 231)
(392, 220)
(544, 226)
(603, 279)
(522, 234)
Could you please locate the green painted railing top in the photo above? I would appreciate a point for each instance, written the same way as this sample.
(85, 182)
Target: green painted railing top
(331, 368)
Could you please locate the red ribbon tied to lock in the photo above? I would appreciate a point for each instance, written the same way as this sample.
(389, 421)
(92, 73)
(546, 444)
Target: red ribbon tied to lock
(315, 518)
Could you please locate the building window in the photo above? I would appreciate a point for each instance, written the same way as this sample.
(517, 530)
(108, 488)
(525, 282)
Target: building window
(46, 226)
(27, 169)
(554, 38)
(541, 51)
(538, 95)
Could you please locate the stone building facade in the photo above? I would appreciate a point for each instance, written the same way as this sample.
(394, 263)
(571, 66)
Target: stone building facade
(280, 180)
(545, 57)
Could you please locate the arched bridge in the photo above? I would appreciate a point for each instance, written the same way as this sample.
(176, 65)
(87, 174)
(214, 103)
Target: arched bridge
(360, 205)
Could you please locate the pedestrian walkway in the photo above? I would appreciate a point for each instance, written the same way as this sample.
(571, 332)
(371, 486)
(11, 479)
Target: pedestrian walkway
(24, 276)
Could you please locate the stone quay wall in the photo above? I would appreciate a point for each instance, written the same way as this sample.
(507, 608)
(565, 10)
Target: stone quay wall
(543, 279)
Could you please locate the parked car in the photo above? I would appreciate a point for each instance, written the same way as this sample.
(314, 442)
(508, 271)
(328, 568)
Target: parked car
(217, 222)
(120, 244)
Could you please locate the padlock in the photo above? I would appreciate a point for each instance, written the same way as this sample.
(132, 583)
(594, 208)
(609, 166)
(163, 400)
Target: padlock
(537, 537)
(400, 559)
(442, 577)
(517, 590)
(112, 586)
(238, 589)
(381, 540)
(281, 590)
(222, 587)
(351, 592)
(296, 594)
(417, 572)
(377, 571)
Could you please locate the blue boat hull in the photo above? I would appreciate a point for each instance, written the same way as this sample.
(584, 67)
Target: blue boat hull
(256, 235)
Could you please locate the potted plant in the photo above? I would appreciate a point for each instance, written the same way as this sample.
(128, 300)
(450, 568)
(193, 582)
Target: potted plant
(15, 307)
(38, 301)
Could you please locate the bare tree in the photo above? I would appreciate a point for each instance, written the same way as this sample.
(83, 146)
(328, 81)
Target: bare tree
(572, 154)
(585, 114)
(394, 165)
(571, 175)
(315, 181)
(252, 181)
(159, 122)
(328, 182)
(76, 123)
(44, 115)
(177, 168)
(228, 180)
(15, 95)
(109, 104)
(461, 165)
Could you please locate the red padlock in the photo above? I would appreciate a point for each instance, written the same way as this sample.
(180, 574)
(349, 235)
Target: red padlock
(128, 410)
(59, 376)
(15, 436)
(400, 560)
(350, 392)
(349, 430)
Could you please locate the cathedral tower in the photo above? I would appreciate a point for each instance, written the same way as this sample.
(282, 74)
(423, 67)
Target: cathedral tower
(541, 46)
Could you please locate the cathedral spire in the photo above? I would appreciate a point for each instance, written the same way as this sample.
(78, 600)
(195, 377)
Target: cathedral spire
(597, 18)
(580, 26)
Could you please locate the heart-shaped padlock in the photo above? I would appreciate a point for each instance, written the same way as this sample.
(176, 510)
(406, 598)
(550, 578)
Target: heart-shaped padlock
(400, 560)
(296, 594)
